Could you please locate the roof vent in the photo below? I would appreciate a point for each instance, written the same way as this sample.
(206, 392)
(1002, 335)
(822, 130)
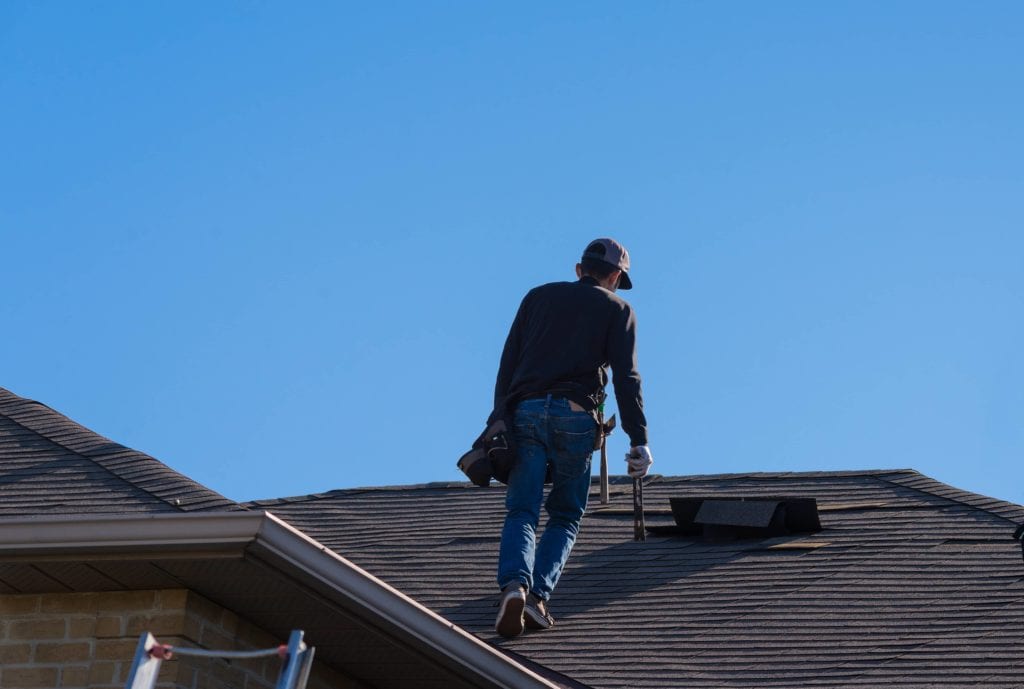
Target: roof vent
(718, 519)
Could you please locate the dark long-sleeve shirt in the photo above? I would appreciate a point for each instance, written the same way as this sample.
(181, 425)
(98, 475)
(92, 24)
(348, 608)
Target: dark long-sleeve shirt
(564, 336)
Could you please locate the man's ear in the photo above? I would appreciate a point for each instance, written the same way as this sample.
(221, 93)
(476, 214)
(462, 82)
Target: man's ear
(579, 270)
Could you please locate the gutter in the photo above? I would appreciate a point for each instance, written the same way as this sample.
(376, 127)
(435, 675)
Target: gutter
(263, 537)
(173, 535)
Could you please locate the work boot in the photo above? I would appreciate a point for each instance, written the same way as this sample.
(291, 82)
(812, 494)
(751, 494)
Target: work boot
(536, 615)
(510, 614)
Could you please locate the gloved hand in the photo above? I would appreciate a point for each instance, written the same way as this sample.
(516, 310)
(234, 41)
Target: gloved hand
(639, 460)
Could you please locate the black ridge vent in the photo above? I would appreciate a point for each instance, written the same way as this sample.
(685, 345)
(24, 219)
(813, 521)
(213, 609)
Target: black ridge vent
(715, 518)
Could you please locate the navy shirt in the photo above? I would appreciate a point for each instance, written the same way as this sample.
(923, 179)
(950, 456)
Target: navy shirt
(564, 336)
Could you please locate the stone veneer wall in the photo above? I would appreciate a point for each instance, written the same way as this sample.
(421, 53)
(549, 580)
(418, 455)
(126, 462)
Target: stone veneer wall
(79, 640)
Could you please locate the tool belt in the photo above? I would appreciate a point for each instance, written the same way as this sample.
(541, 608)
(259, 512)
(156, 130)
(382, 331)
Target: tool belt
(494, 451)
(493, 455)
(604, 429)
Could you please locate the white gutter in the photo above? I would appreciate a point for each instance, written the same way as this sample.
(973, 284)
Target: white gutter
(143, 535)
(263, 536)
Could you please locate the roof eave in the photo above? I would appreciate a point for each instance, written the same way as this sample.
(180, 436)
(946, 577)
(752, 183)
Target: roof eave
(263, 537)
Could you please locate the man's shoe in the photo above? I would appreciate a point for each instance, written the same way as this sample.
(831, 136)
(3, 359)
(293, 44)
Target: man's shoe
(536, 615)
(510, 614)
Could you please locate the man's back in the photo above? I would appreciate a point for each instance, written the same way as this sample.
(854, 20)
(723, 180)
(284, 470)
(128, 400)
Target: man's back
(563, 337)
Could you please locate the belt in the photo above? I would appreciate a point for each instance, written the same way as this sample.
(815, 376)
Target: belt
(572, 405)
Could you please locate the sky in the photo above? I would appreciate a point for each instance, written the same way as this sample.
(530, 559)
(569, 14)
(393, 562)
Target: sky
(278, 246)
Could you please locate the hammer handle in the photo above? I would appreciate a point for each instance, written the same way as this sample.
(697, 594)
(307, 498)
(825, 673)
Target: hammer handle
(604, 473)
(639, 530)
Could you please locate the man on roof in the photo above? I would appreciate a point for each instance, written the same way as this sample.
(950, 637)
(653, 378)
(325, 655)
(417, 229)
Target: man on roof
(551, 384)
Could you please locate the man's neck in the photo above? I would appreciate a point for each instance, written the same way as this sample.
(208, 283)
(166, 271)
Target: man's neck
(608, 283)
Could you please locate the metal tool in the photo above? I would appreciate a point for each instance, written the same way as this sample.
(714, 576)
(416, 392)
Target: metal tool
(639, 529)
(606, 430)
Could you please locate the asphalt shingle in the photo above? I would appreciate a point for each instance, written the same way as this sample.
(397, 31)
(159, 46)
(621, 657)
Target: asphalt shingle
(909, 583)
(51, 465)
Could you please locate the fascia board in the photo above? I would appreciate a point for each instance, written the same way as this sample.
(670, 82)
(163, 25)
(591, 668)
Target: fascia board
(159, 536)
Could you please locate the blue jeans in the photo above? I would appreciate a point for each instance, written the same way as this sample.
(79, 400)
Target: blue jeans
(547, 432)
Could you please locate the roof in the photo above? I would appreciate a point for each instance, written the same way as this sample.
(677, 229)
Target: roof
(51, 465)
(910, 582)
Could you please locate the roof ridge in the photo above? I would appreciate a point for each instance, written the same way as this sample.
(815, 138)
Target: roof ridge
(113, 457)
(323, 495)
(623, 479)
(1003, 509)
(838, 473)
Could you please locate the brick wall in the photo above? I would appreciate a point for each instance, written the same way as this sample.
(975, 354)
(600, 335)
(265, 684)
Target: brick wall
(79, 640)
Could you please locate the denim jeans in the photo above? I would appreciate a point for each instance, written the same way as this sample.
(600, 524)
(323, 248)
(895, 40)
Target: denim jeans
(547, 432)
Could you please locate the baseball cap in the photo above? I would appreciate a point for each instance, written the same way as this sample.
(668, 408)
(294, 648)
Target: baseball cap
(610, 251)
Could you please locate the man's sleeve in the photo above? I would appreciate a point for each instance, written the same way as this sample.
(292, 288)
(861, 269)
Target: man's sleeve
(626, 377)
(509, 360)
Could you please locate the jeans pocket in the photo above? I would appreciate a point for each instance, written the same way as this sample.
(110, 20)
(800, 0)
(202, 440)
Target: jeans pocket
(570, 467)
(572, 438)
(574, 443)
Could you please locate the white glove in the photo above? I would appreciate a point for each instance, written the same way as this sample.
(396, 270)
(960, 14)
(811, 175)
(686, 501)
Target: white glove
(639, 460)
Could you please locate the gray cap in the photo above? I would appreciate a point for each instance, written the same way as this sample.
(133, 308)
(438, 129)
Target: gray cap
(610, 251)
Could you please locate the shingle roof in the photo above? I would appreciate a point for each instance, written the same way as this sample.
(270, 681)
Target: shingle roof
(51, 465)
(911, 582)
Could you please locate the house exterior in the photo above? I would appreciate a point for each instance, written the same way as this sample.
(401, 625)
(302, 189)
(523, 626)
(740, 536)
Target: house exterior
(908, 582)
(99, 543)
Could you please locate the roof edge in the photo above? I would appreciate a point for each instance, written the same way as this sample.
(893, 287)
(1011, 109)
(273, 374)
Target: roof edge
(142, 534)
(282, 542)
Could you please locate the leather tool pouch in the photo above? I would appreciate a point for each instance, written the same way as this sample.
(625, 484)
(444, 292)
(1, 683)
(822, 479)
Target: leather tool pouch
(493, 455)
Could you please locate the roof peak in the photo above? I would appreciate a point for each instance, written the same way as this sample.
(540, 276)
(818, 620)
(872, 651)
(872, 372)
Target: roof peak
(132, 467)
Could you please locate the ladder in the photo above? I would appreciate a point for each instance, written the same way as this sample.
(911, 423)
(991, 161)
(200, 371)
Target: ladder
(150, 654)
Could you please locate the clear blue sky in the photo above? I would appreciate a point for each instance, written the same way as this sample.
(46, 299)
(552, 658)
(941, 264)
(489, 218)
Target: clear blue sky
(279, 245)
